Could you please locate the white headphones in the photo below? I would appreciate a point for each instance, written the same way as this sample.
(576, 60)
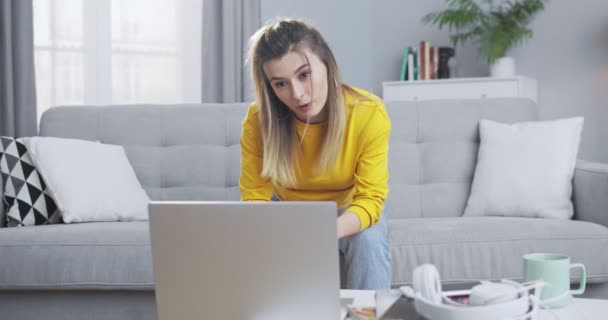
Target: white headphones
(488, 300)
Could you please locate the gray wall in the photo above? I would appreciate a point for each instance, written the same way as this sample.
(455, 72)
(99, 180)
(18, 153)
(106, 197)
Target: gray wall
(566, 55)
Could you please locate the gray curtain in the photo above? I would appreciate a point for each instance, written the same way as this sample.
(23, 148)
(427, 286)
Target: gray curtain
(227, 26)
(17, 83)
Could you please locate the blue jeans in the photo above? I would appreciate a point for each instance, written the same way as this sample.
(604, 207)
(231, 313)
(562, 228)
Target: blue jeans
(365, 258)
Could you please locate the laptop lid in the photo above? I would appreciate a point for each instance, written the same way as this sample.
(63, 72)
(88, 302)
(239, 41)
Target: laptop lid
(245, 260)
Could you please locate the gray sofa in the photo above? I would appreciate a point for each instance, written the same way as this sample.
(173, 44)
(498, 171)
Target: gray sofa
(192, 152)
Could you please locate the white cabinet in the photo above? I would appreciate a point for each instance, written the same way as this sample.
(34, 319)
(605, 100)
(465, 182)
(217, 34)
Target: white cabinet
(460, 88)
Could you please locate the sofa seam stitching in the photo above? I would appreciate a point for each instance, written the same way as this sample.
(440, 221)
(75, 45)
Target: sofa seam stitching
(418, 142)
(74, 245)
(605, 173)
(109, 284)
(100, 124)
(494, 241)
(227, 149)
(455, 281)
(163, 144)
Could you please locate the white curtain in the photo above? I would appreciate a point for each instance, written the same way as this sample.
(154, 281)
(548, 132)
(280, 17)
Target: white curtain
(100, 52)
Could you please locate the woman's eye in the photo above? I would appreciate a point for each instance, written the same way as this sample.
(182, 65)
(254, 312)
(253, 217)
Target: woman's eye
(304, 75)
(280, 84)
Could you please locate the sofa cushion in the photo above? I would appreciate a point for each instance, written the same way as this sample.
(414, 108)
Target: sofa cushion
(116, 255)
(170, 147)
(27, 198)
(100, 255)
(89, 181)
(525, 169)
(472, 248)
(422, 183)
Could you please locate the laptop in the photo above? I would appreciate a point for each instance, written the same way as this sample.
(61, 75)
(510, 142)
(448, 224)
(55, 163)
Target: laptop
(245, 260)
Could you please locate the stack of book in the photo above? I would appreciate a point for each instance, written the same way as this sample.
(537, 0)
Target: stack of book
(425, 62)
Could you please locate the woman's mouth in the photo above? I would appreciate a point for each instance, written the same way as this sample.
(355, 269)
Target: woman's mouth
(305, 107)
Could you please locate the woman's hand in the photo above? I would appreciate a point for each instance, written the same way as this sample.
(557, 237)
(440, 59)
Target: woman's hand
(348, 224)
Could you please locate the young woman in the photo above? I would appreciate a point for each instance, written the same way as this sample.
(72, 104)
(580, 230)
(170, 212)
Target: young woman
(310, 137)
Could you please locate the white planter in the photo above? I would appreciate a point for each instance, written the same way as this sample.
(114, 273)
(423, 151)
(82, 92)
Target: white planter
(503, 67)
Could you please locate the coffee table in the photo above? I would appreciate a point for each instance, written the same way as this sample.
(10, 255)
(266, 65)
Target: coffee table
(583, 309)
(580, 309)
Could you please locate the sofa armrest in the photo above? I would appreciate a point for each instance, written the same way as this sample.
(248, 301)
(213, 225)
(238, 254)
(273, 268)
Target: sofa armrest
(590, 194)
(2, 217)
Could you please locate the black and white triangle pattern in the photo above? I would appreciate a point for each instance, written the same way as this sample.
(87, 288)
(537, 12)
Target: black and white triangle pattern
(26, 199)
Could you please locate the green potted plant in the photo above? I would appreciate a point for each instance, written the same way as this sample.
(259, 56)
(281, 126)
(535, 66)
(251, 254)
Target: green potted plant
(494, 27)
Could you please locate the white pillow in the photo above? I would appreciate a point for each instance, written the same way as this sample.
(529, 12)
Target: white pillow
(89, 181)
(525, 169)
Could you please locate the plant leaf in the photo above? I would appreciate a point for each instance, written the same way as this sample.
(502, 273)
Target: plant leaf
(496, 29)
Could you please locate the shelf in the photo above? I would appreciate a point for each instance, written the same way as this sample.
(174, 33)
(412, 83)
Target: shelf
(460, 88)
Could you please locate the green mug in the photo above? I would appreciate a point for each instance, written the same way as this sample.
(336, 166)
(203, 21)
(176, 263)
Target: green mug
(554, 269)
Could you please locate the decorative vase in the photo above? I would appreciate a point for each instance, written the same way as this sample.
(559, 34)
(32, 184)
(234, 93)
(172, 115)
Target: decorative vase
(503, 67)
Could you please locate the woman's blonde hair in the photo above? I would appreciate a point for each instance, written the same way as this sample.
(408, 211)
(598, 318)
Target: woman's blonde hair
(281, 145)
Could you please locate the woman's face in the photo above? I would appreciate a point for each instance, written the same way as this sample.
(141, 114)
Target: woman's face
(300, 84)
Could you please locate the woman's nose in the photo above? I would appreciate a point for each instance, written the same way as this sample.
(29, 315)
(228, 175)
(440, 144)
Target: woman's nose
(298, 91)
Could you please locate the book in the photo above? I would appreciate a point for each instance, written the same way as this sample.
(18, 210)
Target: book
(422, 60)
(427, 60)
(416, 65)
(443, 70)
(410, 66)
(404, 63)
(435, 62)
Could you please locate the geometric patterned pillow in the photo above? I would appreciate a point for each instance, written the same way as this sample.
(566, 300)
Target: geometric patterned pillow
(25, 197)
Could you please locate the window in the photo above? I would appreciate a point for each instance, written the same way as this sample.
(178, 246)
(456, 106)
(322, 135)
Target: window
(98, 52)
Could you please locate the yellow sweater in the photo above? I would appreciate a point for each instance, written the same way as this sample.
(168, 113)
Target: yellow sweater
(359, 181)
